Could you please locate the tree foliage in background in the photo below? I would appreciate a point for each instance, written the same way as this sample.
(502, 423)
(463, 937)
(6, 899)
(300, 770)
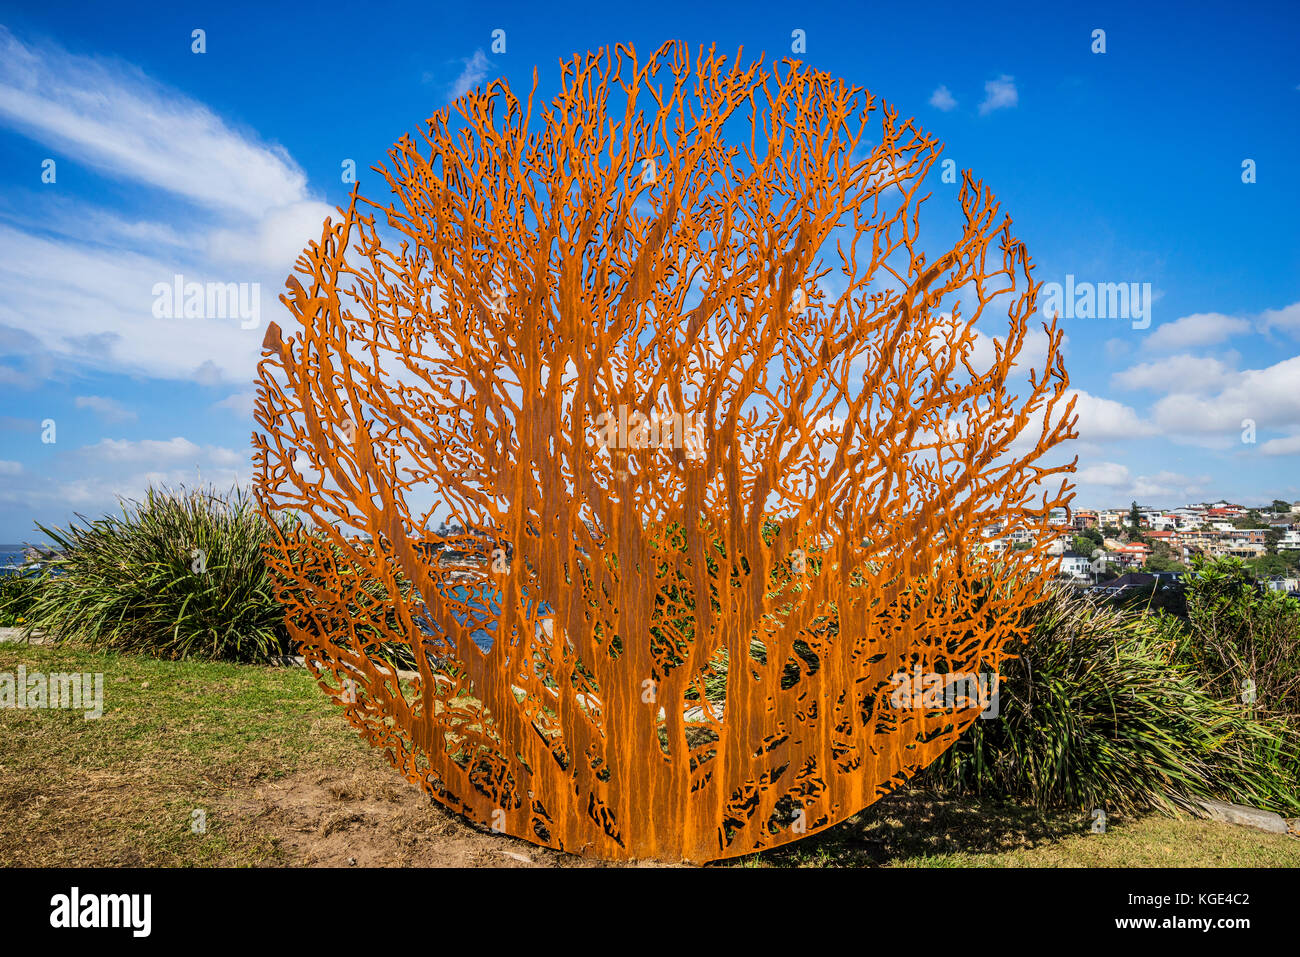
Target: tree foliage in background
(1242, 637)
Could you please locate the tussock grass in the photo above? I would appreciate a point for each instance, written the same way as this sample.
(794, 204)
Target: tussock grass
(179, 575)
(1101, 709)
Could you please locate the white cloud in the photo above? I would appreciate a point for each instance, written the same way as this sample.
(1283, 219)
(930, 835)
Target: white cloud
(1286, 445)
(1190, 332)
(1112, 482)
(114, 117)
(159, 453)
(93, 307)
(58, 214)
(999, 94)
(1104, 473)
(241, 403)
(1286, 319)
(1144, 488)
(1165, 485)
(92, 479)
(1183, 372)
(475, 72)
(98, 493)
(80, 280)
(1032, 355)
(1116, 348)
(1097, 421)
(1267, 396)
(829, 425)
(1101, 419)
(143, 450)
(110, 410)
(278, 238)
(942, 99)
(10, 468)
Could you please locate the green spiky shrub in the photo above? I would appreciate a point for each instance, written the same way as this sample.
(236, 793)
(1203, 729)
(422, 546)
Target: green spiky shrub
(17, 595)
(1243, 638)
(178, 575)
(1101, 709)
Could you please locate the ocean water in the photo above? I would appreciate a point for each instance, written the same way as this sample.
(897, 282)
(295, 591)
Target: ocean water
(11, 559)
(485, 604)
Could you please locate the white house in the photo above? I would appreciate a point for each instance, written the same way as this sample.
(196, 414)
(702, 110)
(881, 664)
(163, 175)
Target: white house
(1074, 565)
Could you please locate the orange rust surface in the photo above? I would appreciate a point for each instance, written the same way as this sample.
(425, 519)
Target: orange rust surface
(667, 366)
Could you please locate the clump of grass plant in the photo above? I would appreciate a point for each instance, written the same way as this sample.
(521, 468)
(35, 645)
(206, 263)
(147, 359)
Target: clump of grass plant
(1101, 709)
(17, 595)
(178, 575)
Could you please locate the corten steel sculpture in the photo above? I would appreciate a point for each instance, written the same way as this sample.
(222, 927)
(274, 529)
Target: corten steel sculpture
(717, 497)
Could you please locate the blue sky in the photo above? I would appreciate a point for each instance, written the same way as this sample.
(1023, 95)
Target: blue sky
(1123, 166)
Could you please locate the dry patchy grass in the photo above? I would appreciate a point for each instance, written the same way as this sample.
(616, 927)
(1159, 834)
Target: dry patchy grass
(284, 780)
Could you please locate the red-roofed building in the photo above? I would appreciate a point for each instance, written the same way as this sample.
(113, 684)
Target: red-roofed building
(1134, 553)
(1085, 518)
(1226, 511)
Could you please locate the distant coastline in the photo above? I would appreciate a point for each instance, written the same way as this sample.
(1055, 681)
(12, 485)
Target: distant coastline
(11, 558)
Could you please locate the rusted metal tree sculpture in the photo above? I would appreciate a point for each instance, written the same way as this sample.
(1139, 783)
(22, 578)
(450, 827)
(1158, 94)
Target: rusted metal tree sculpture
(722, 497)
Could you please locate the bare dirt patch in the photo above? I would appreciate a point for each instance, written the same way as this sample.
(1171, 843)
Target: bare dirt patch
(374, 819)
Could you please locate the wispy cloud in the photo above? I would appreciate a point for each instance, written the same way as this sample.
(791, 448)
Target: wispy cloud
(240, 403)
(1187, 372)
(1190, 332)
(94, 307)
(942, 99)
(82, 277)
(158, 451)
(999, 94)
(115, 118)
(110, 410)
(475, 72)
(93, 478)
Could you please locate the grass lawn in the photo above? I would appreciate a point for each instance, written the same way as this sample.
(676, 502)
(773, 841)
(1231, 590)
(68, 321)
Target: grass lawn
(282, 779)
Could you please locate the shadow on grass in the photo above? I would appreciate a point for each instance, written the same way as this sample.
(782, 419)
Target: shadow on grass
(913, 827)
